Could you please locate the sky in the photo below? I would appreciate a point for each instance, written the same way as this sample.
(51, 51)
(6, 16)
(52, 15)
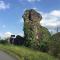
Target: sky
(11, 12)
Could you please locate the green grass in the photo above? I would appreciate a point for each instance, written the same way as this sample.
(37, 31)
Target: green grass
(23, 53)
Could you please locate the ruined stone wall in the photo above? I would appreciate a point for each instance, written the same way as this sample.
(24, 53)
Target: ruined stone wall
(33, 31)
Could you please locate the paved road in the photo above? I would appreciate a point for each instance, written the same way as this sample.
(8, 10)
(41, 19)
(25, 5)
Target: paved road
(4, 56)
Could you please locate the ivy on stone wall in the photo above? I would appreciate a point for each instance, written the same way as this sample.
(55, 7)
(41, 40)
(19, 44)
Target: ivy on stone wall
(36, 36)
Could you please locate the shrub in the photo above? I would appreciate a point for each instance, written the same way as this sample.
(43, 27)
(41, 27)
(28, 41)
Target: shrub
(3, 41)
(54, 45)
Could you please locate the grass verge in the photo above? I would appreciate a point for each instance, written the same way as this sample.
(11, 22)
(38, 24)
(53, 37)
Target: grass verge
(23, 53)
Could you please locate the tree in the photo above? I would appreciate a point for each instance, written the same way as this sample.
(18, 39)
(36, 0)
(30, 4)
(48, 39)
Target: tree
(54, 45)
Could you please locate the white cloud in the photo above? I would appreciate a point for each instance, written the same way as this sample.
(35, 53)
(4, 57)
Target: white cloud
(7, 34)
(55, 13)
(4, 5)
(21, 34)
(33, 0)
(51, 19)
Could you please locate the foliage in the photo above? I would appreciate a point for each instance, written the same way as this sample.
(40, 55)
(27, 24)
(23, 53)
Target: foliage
(3, 42)
(26, 54)
(29, 36)
(55, 45)
(37, 44)
(44, 40)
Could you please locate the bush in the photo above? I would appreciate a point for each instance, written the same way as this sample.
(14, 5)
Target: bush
(3, 42)
(54, 45)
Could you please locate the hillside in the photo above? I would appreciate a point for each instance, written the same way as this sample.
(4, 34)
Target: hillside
(24, 53)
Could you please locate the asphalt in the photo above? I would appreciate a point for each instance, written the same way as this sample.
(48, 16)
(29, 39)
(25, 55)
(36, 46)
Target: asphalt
(5, 56)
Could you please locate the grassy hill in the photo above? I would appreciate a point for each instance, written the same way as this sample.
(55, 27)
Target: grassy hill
(23, 53)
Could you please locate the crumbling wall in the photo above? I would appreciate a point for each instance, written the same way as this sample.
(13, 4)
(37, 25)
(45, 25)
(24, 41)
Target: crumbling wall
(33, 31)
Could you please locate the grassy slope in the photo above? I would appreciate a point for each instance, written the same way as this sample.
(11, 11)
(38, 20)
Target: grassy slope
(26, 54)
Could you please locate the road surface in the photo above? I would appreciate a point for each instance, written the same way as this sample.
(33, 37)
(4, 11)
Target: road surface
(4, 56)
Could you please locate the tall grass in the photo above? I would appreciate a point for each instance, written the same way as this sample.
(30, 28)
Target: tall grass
(24, 53)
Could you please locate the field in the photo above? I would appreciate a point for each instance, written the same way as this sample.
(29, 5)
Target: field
(23, 53)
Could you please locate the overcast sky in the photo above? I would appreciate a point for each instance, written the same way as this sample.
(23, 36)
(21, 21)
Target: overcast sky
(11, 12)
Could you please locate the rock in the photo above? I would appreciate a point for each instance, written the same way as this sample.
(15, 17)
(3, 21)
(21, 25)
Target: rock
(33, 31)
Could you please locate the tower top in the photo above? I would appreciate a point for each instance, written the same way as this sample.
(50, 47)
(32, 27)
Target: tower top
(31, 14)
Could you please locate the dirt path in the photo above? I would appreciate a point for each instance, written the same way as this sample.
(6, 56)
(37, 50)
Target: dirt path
(4, 56)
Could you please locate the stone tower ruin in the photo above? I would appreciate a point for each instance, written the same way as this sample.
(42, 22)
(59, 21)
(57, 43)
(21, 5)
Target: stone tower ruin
(32, 28)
